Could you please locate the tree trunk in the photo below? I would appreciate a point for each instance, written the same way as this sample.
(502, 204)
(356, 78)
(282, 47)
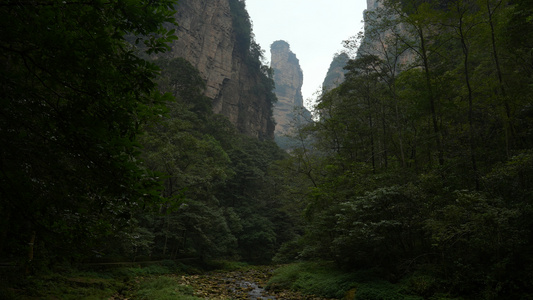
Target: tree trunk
(166, 233)
(4, 230)
(508, 126)
(431, 97)
(30, 251)
(383, 124)
(399, 127)
(372, 150)
(471, 137)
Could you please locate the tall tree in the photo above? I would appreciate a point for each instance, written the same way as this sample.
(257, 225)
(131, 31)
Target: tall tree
(420, 34)
(74, 94)
(463, 23)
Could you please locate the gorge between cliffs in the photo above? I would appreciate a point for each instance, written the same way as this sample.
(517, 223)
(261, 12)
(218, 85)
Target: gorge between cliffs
(153, 150)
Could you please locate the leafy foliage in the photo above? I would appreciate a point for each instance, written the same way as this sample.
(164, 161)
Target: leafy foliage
(163, 288)
(74, 94)
(313, 279)
(420, 161)
(417, 171)
(212, 178)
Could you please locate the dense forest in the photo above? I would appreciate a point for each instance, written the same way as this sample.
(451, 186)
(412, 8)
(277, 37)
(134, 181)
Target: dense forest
(414, 181)
(109, 153)
(421, 162)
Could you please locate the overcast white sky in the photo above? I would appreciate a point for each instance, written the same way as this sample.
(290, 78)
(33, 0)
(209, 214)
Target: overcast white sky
(315, 30)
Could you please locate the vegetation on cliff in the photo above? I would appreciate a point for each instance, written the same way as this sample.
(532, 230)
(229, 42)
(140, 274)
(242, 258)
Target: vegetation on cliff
(108, 156)
(250, 49)
(218, 199)
(336, 71)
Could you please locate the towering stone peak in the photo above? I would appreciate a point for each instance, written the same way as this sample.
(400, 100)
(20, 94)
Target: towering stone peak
(288, 77)
(373, 4)
(336, 72)
(288, 74)
(376, 41)
(208, 39)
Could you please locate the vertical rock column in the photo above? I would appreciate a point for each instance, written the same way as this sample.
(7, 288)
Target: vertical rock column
(288, 77)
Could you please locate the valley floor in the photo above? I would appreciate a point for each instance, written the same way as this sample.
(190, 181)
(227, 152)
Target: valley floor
(248, 283)
(154, 282)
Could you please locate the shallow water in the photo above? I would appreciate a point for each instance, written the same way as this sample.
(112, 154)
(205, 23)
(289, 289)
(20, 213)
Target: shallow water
(256, 292)
(240, 284)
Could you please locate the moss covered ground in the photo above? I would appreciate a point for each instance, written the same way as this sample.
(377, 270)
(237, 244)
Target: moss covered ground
(218, 280)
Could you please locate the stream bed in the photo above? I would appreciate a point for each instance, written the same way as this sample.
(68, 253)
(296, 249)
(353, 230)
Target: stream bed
(255, 292)
(241, 284)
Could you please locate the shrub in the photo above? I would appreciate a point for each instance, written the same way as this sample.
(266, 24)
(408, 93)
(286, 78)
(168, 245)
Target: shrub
(381, 290)
(164, 288)
(312, 278)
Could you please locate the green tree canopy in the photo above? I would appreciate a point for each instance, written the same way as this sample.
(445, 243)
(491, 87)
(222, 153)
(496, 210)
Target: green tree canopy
(74, 93)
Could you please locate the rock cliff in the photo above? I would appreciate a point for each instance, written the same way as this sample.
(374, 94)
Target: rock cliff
(288, 77)
(336, 72)
(373, 4)
(370, 44)
(383, 43)
(215, 36)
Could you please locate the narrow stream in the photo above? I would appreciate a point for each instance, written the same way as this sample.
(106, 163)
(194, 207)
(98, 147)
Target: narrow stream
(240, 284)
(255, 291)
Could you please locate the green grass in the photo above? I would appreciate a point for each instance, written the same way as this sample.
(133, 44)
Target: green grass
(225, 265)
(158, 282)
(324, 279)
(131, 272)
(150, 282)
(312, 278)
(67, 286)
(164, 288)
(382, 290)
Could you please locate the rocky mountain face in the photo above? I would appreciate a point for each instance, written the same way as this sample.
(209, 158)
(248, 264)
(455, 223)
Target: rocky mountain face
(381, 42)
(288, 77)
(370, 44)
(336, 72)
(210, 38)
(373, 4)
